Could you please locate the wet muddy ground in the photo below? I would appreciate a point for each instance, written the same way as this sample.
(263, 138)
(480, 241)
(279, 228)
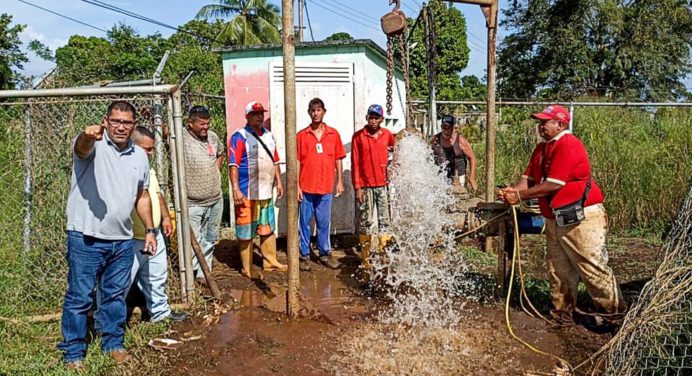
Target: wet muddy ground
(338, 335)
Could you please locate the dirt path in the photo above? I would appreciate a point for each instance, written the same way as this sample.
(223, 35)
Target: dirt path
(339, 335)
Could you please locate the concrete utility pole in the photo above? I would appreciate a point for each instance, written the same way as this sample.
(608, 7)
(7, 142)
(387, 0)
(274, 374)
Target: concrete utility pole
(489, 8)
(289, 50)
(300, 20)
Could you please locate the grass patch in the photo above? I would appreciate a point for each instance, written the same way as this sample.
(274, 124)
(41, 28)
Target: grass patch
(30, 349)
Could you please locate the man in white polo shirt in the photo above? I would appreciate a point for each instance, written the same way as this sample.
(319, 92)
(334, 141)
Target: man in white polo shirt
(559, 175)
(110, 177)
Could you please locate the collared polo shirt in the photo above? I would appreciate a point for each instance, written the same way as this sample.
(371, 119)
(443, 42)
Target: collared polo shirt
(255, 165)
(103, 189)
(566, 164)
(370, 158)
(318, 158)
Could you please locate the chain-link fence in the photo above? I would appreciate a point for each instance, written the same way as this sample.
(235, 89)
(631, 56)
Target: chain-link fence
(640, 155)
(35, 146)
(656, 336)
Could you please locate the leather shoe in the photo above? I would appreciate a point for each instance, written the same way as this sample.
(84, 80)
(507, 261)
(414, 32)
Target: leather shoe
(304, 264)
(76, 366)
(119, 356)
(330, 261)
(177, 316)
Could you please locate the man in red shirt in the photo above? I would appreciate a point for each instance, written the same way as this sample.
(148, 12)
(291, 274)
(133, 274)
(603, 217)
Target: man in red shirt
(320, 154)
(559, 175)
(371, 151)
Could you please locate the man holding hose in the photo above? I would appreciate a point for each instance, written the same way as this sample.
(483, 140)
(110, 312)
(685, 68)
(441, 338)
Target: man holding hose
(559, 175)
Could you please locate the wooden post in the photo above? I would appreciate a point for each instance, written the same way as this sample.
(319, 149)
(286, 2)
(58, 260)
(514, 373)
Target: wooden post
(490, 115)
(211, 282)
(489, 9)
(292, 301)
(300, 21)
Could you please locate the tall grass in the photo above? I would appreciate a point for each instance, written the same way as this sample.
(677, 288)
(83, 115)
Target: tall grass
(641, 160)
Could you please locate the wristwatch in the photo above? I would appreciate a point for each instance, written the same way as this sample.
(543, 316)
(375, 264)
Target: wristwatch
(151, 231)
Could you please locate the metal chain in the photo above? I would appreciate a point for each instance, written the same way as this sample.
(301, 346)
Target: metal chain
(390, 72)
(405, 64)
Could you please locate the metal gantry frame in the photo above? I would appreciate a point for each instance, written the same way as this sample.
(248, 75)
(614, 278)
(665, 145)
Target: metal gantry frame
(489, 9)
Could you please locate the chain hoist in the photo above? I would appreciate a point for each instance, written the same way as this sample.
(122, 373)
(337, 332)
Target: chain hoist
(394, 25)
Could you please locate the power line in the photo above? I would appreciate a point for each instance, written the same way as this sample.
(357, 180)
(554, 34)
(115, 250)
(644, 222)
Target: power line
(345, 16)
(116, 9)
(407, 6)
(63, 16)
(354, 12)
(305, 3)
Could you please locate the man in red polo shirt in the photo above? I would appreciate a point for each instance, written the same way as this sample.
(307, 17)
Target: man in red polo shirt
(320, 154)
(371, 150)
(559, 175)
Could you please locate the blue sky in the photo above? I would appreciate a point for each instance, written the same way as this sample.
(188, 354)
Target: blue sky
(360, 18)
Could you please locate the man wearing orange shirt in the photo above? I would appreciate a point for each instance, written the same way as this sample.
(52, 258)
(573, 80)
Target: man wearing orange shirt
(371, 151)
(320, 154)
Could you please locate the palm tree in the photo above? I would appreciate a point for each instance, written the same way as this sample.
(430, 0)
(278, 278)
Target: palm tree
(252, 22)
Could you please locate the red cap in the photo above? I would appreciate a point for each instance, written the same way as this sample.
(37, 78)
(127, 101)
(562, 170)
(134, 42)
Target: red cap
(553, 112)
(254, 106)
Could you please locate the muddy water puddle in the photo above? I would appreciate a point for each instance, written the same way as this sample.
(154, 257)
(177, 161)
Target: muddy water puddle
(340, 335)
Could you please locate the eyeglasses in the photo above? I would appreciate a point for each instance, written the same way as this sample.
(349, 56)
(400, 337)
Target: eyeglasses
(118, 122)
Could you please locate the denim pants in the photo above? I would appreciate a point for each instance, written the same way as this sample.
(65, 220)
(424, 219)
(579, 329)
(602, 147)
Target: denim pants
(319, 206)
(206, 224)
(88, 260)
(150, 274)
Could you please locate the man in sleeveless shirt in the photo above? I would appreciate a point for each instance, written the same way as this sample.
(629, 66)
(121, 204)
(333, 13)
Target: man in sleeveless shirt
(454, 153)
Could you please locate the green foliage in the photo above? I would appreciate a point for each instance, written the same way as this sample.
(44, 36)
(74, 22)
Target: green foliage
(640, 160)
(193, 53)
(11, 56)
(253, 21)
(41, 50)
(123, 55)
(339, 36)
(569, 48)
(126, 55)
(472, 88)
(451, 53)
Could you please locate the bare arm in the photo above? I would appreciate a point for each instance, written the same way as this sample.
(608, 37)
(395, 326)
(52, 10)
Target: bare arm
(84, 145)
(339, 177)
(219, 161)
(165, 216)
(143, 207)
(473, 162)
(238, 196)
(513, 195)
(279, 186)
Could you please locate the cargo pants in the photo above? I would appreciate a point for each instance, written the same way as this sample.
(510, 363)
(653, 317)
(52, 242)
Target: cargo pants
(579, 251)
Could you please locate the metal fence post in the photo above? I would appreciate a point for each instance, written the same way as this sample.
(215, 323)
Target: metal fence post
(176, 194)
(571, 117)
(158, 140)
(28, 178)
(184, 219)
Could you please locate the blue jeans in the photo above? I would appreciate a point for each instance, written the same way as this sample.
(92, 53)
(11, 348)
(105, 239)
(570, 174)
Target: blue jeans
(319, 206)
(88, 260)
(150, 274)
(206, 224)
